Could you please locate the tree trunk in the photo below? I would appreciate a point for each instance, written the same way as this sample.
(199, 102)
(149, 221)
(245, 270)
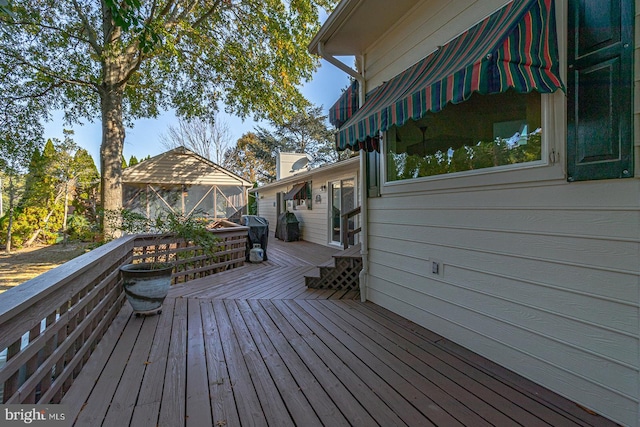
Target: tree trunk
(111, 155)
(12, 195)
(36, 233)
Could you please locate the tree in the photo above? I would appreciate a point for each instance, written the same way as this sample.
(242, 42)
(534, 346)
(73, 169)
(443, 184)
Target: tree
(307, 132)
(254, 157)
(86, 198)
(210, 139)
(66, 173)
(41, 211)
(19, 139)
(130, 59)
(133, 160)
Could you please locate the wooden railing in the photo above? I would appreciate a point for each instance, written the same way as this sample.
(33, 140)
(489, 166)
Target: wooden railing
(50, 325)
(191, 262)
(347, 233)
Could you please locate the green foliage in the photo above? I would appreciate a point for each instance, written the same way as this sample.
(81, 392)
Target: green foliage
(307, 132)
(79, 228)
(254, 157)
(28, 219)
(191, 228)
(5, 8)
(484, 154)
(87, 182)
(60, 170)
(133, 160)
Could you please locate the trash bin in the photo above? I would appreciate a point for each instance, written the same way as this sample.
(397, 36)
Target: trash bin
(288, 228)
(258, 233)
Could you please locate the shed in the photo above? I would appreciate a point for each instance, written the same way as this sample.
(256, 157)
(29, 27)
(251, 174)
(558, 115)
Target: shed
(184, 182)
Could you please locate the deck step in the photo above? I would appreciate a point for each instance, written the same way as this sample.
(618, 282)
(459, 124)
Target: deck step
(340, 273)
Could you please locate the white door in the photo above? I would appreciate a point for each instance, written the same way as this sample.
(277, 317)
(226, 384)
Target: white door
(342, 200)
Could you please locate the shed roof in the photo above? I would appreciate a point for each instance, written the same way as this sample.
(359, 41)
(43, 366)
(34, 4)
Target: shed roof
(181, 166)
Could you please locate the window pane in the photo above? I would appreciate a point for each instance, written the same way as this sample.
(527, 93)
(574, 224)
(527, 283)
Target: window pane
(485, 131)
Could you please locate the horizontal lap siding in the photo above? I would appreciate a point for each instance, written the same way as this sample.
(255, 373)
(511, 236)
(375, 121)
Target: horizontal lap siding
(267, 207)
(412, 40)
(314, 222)
(544, 280)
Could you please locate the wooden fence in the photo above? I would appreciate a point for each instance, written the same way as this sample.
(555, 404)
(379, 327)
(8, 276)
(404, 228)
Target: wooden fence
(50, 325)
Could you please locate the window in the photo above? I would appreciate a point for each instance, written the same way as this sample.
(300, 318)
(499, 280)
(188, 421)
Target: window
(484, 132)
(299, 196)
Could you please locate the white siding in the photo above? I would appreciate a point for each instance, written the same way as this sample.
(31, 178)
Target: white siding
(539, 275)
(543, 280)
(267, 207)
(410, 40)
(314, 222)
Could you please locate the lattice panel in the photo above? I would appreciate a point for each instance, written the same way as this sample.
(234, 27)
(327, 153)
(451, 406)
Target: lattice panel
(344, 276)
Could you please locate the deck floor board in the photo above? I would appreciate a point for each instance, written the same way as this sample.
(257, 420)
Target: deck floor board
(253, 346)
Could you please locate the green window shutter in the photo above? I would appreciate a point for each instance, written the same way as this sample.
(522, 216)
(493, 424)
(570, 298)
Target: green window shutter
(599, 89)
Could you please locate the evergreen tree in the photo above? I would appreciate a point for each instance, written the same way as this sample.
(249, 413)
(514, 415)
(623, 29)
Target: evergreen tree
(307, 132)
(254, 157)
(84, 220)
(20, 135)
(133, 160)
(41, 212)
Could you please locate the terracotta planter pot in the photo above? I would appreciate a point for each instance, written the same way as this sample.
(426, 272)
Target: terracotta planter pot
(146, 285)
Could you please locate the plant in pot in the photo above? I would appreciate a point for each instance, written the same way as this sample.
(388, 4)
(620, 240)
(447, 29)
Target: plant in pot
(147, 281)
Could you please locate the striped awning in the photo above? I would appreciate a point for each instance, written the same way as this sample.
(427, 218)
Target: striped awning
(346, 106)
(516, 47)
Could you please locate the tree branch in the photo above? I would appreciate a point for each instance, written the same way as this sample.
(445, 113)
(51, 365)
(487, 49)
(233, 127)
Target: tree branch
(46, 27)
(93, 37)
(61, 80)
(208, 13)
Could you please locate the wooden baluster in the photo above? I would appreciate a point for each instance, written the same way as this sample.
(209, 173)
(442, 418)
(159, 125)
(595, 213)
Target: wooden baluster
(11, 385)
(46, 353)
(31, 366)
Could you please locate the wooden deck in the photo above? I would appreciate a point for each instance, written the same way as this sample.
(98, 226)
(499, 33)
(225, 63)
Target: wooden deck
(253, 346)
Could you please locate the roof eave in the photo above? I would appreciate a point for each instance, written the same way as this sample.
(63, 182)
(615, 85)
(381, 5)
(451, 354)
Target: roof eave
(334, 22)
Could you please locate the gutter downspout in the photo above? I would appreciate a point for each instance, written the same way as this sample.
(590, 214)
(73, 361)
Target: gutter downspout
(364, 216)
(364, 219)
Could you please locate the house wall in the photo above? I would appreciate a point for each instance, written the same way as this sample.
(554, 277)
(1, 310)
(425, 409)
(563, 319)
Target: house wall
(314, 223)
(537, 274)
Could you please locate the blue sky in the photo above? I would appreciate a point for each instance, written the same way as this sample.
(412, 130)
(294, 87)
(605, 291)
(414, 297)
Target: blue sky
(143, 138)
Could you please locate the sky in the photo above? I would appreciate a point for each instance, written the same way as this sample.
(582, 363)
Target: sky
(143, 139)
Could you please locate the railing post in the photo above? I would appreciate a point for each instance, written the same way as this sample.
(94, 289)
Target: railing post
(344, 228)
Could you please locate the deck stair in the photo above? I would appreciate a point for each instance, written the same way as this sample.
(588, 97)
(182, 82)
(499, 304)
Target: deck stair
(339, 273)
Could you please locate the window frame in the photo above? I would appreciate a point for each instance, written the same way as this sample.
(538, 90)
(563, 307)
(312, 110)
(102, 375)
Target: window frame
(551, 167)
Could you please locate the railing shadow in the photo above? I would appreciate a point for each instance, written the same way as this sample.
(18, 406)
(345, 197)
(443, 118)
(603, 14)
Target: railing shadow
(50, 325)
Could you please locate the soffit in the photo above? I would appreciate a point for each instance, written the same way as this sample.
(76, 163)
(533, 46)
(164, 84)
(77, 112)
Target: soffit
(355, 25)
